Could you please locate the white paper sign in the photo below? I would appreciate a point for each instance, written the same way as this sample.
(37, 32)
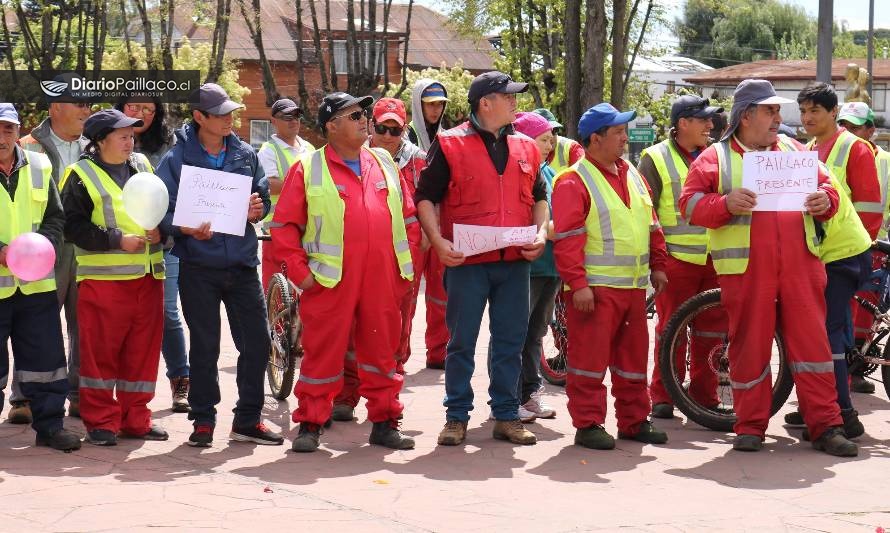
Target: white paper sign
(473, 240)
(207, 195)
(781, 180)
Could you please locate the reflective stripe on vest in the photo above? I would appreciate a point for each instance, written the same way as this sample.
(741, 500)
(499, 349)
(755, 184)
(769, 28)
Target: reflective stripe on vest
(616, 253)
(845, 235)
(882, 159)
(837, 162)
(108, 212)
(563, 152)
(283, 160)
(684, 241)
(731, 243)
(24, 213)
(323, 238)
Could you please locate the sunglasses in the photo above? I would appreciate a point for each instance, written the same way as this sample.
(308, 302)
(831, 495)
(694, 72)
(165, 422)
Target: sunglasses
(354, 116)
(395, 131)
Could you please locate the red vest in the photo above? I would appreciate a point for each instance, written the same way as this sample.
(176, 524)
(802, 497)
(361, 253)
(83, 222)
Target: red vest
(477, 195)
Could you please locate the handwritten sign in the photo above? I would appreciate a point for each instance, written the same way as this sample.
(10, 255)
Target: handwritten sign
(473, 240)
(781, 180)
(220, 198)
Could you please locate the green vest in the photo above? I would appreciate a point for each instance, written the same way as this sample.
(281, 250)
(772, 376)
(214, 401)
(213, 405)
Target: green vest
(323, 238)
(684, 241)
(837, 163)
(283, 160)
(845, 236)
(731, 243)
(882, 159)
(24, 214)
(108, 212)
(616, 253)
(561, 154)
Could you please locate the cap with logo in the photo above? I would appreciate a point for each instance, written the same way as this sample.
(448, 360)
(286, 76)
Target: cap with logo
(494, 82)
(549, 116)
(334, 102)
(9, 114)
(692, 106)
(748, 93)
(390, 109)
(286, 107)
(214, 100)
(602, 116)
(102, 122)
(857, 113)
(435, 92)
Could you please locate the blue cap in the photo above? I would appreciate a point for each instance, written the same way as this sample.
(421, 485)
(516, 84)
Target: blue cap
(601, 116)
(9, 114)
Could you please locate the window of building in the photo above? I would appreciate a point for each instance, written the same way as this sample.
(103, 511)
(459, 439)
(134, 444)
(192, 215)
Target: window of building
(260, 131)
(671, 86)
(879, 97)
(340, 55)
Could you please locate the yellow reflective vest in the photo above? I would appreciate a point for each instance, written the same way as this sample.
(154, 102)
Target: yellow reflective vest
(562, 154)
(283, 160)
(323, 238)
(837, 163)
(108, 212)
(845, 236)
(23, 214)
(882, 160)
(684, 241)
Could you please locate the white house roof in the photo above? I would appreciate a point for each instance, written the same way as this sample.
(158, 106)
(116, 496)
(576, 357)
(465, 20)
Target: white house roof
(669, 63)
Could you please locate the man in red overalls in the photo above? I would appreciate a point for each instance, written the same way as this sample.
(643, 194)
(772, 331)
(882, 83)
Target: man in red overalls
(342, 225)
(769, 273)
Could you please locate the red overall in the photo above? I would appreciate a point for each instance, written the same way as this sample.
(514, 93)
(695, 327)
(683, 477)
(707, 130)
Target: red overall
(365, 303)
(121, 326)
(783, 285)
(615, 335)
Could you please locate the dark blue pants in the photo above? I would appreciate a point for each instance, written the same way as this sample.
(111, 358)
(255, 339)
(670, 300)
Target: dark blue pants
(173, 345)
(201, 290)
(504, 286)
(32, 323)
(542, 300)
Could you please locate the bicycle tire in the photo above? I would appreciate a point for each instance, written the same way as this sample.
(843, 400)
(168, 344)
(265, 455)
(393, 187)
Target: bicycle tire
(715, 418)
(553, 369)
(280, 367)
(885, 368)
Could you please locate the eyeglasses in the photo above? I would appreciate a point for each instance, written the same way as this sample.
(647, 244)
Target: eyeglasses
(136, 108)
(395, 131)
(354, 116)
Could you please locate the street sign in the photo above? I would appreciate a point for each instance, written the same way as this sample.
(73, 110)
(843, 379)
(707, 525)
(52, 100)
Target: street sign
(641, 135)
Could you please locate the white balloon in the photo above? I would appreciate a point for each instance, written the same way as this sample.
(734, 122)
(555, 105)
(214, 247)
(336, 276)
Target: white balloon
(146, 199)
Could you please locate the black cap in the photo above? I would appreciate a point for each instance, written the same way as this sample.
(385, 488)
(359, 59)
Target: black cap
(692, 106)
(213, 99)
(334, 102)
(494, 82)
(100, 123)
(286, 106)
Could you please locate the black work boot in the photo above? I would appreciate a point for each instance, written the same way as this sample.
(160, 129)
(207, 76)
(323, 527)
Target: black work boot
(852, 426)
(646, 434)
(594, 437)
(859, 384)
(307, 438)
(387, 434)
(747, 443)
(61, 439)
(833, 442)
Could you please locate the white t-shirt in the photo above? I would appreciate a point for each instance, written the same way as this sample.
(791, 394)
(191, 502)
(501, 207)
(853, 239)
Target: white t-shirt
(268, 159)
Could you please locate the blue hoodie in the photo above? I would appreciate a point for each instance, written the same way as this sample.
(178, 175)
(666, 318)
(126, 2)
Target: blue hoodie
(221, 250)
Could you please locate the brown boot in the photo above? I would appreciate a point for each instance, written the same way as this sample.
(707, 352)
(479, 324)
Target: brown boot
(180, 389)
(513, 431)
(453, 433)
(20, 412)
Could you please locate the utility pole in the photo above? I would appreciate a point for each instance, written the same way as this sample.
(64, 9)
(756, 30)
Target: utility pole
(824, 46)
(871, 41)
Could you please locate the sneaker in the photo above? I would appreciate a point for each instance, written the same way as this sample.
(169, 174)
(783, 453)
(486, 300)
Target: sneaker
(101, 437)
(794, 418)
(646, 434)
(859, 384)
(594, 437)
(62, 440)
(538, 406)
(526, 415)
(833, 442)
(663, 410)
(513, 431)
(747, 443)
(387, 434)
(453, 433)
(307, 438)
(154, 433)
(74, 408)
(258, 434)
(179, 387)
(343, 412)
(20, 413)
(202, 436)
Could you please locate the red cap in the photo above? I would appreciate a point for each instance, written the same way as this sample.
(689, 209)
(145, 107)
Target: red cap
(390, 109)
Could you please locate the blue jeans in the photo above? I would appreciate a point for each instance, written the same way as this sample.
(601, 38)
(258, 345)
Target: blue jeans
(238, 288)
(504, 286)
(173, 346)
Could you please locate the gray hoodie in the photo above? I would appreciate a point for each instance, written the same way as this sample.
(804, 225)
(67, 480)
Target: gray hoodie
(418, 124)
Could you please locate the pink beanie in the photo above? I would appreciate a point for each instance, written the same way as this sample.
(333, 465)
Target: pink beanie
(531, 124)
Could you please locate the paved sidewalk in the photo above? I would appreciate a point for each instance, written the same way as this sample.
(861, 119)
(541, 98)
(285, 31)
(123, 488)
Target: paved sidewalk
(694, 483)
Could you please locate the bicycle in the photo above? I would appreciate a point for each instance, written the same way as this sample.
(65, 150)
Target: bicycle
(875, 351)
(285, 329)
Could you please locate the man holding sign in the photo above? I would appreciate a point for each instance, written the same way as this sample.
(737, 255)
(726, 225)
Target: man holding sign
(483, 174)
(217, 268)
(768, 268)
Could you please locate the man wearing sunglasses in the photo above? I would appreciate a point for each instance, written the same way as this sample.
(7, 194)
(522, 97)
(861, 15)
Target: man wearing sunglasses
(277, 155)
(346, 228)
(482, 173)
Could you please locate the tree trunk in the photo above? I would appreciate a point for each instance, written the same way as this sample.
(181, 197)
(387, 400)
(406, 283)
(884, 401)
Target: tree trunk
(220, 34)
(381, 62)
(255, 29)
(100, 32)
(330, 37)
(302, 92)
(594, 55)
(619, 51)
(131, 59)
(638, 44)
(352, 61)
(572, 39)
(404, 83)
(7, 42)
(167, 11)
(146, 31)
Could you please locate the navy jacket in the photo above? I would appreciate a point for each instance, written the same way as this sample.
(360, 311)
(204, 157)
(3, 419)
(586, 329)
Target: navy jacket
(222, 250)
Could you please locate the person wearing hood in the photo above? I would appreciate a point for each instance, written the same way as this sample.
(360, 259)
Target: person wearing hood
(428, 101)
(564, 152)
(217, 268)
(770, 274)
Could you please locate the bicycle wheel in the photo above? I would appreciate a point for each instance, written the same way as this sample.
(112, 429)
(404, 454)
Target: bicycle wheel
(279, 370)
(553, 365)
(650, 306)
(719, 417)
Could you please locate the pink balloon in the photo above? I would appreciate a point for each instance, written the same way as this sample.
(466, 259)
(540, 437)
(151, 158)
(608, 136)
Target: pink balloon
(30, 256)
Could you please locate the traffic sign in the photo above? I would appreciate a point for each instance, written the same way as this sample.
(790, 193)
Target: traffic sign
(641, 135)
